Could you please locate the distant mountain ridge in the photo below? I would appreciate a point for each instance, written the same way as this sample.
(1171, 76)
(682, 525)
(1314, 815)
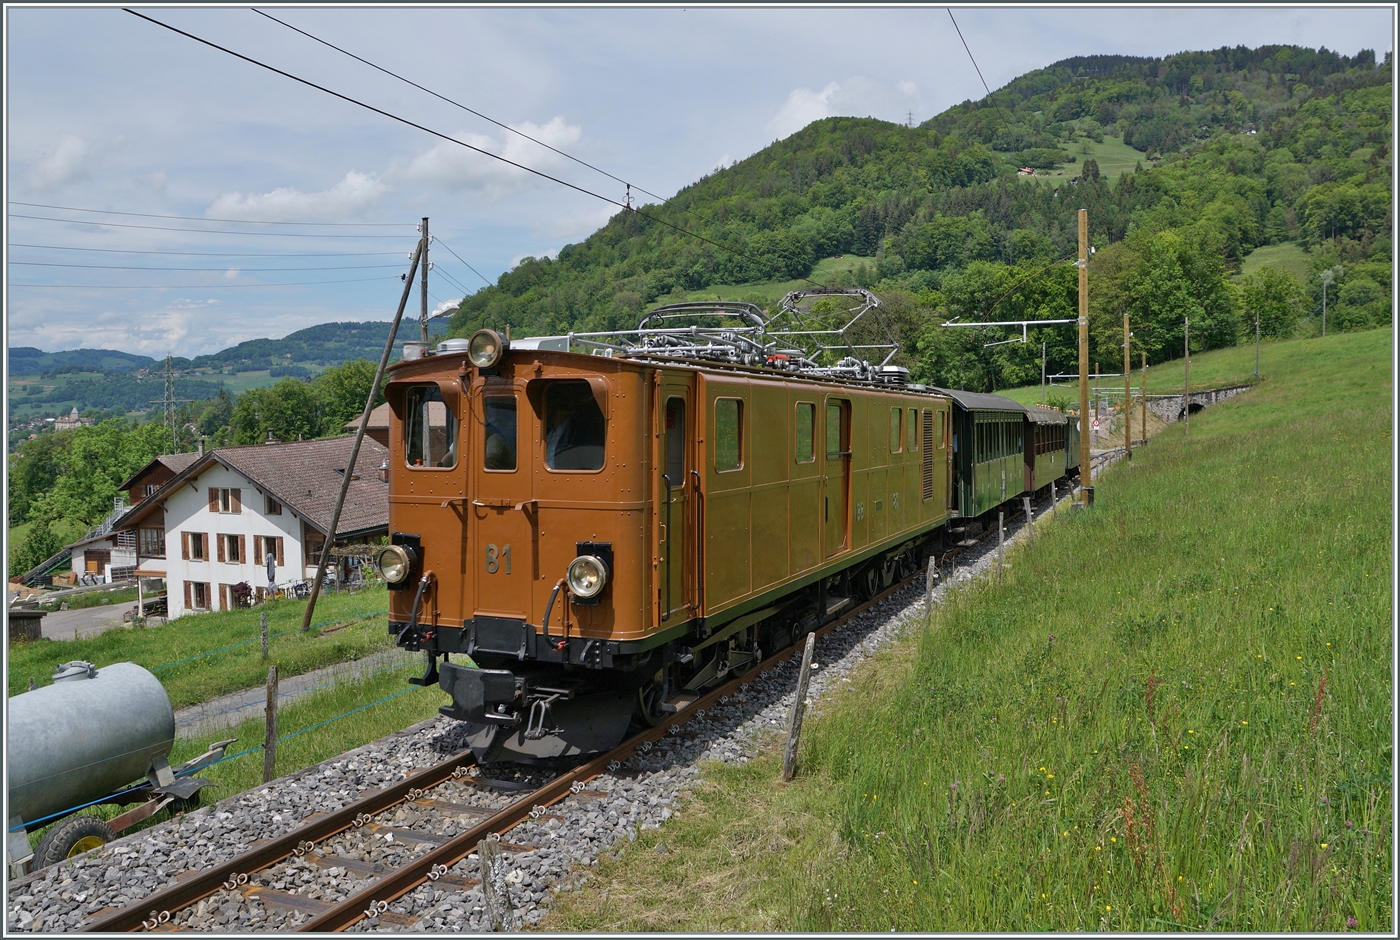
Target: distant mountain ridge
(29, 360)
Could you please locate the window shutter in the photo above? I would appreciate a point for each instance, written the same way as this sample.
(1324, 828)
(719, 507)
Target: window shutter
(258, 554)
(221, 546)
(223, 597)
(185, 552)
(235, 500)
(278, 542)
(189, 593)
(243, 548)
(213, 499)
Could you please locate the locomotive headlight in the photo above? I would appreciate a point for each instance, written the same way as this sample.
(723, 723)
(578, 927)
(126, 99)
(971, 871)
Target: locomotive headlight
(394, 563)
(485, 348)
(587, 576)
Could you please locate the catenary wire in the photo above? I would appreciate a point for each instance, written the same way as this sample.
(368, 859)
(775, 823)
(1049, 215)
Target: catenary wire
(199, 231)
(969, 51)
(214, 254)
(195, 218)
(461, 259)
(460, 105)
(134, 267)
(353, 280)
(492, 120)
(402, 120)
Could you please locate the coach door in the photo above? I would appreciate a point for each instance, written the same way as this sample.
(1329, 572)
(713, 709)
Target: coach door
(837, 476)
(675, 487)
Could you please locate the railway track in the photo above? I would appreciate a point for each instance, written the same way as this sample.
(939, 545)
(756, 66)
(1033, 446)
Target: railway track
(425, 829)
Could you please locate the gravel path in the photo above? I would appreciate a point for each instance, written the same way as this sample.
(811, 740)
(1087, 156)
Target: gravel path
(562, 846)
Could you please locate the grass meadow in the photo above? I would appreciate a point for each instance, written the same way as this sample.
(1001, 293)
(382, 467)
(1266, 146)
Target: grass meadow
(345, 632)
(1174, 712)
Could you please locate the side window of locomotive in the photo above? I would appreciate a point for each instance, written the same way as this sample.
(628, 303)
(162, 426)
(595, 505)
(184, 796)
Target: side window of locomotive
(896, 435)
(913, 425)
(675, 441)
(575, 429)
(729, 434)
(837, 446)
(429, 429)
(499, 444)
(806, 449)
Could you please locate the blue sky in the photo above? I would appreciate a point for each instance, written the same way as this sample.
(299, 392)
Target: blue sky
(107, 112)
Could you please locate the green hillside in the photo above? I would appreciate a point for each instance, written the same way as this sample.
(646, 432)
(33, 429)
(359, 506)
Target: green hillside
(1256, 148)
(1172, 713)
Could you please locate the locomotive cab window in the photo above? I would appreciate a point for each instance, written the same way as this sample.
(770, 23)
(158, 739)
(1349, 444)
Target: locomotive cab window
(498, 452)
(575, 429)
(729, 434)
(675, 442)
(429, 429)
(913, 430)
(806, 427)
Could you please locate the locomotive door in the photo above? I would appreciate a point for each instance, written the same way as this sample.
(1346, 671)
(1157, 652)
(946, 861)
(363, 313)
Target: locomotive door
(837, 476)
(674, 484)
(502, 546)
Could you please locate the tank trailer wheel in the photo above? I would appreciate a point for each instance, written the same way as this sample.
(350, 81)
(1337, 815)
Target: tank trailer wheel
(70, 838)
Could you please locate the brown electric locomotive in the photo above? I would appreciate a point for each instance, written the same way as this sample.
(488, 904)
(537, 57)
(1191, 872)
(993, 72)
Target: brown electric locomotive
(601, 535)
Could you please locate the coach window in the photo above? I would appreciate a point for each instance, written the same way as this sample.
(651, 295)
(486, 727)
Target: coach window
(575, 429)
(498, 451)
(896, 434)
(806, 424)
(675, 442)
(729, 434)
(429, 429)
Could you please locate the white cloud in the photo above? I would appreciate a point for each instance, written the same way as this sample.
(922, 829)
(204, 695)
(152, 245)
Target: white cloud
(575, 226)
(857, 96)
(68, 161)
(353, 197)
(188, 303)
(457, 168)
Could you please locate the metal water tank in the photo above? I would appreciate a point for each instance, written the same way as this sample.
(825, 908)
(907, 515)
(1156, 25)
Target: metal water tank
(92, 732)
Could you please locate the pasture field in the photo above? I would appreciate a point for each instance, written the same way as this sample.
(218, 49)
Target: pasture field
(1174, 712)
(776, 290)
(1115, 158)
(1288, 257)
(347, 633)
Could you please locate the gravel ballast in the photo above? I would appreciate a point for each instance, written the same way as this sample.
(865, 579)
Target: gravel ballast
(561, 847)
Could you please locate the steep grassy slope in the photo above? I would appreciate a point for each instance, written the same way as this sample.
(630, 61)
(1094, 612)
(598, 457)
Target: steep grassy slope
(1174, 712)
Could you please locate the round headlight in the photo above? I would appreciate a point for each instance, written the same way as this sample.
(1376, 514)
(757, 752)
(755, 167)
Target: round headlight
(587, 576)
(486, 348)
(394, 563)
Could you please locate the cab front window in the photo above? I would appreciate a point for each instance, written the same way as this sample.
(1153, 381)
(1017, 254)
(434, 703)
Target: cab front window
(575, 429)
(429, 429)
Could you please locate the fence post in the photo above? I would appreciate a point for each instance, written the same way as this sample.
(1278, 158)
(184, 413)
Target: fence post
(1001, 537)
(1030, 520)
(493, 885)
(930, 580)
(1054, 501)
(270, 738)
(264, 635)
(799, 707)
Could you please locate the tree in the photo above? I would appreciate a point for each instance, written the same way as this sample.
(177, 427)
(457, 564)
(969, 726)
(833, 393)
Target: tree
(341, 393)
(1276, 298)
(288, 410)
(1090, 171)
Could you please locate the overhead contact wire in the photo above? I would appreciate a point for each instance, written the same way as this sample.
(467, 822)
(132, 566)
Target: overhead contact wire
(427, 130)
(195, 218)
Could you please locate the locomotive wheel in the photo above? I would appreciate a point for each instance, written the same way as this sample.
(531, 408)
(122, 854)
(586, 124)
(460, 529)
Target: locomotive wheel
(649, 713)
(867, 583)
(72, 837)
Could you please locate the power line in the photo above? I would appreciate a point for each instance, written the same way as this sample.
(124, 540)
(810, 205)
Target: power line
(198, 231)
(460, 105)
(195, 218)
(135, 267)
(213, 254)
(969, 51)
(460, 258)
(455, 282)
(353, 280)
(427, 130)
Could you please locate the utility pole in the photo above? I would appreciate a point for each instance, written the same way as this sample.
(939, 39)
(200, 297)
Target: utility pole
(1127, 392)
(1187, 409)
(1042, 373)
(1256, 342)
(1085, 470)
(1144, 398)
(423, 261)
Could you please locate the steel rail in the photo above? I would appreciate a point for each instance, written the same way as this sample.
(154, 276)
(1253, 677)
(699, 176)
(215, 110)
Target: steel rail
(315, 829)
(398, 883)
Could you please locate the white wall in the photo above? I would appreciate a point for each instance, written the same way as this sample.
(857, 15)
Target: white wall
(187, 510)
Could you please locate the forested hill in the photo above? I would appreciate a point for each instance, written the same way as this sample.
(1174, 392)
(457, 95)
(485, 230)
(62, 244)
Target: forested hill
(1185, 165)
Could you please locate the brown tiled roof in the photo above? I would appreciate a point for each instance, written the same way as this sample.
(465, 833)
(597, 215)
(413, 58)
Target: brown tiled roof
(174, 462)
(378, 420)
(303, 476)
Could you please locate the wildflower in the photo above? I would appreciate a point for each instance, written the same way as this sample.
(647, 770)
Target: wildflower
(1244, 722)
(1113, 839)
(1348, 823)
(1049, 776)
(1189, 731)
(1108, 907)
(1324, 845)
(1098, 848)
(1351, 921)
(1300, 657)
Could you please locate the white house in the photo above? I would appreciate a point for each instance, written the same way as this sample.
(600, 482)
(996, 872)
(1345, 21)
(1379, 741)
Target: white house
(231, 508)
